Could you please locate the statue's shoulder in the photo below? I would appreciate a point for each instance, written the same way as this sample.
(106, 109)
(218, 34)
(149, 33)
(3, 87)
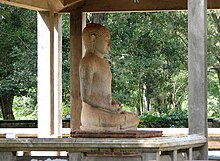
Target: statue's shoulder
(89, 60)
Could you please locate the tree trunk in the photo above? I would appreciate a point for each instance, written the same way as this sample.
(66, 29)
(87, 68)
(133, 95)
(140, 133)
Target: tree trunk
(97, 18)
(148, 104)
(216, 19)
(217, 69)
(147, 100)
(6, 107)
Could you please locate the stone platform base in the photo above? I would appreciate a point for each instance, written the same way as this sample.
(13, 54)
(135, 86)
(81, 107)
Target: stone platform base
(113, 149)
(143, 157)
(112, 159)
(119, 134)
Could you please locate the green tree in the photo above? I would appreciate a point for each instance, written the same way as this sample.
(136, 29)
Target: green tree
(18, 55)
(66, 64)
(148, 50)
(214, 62)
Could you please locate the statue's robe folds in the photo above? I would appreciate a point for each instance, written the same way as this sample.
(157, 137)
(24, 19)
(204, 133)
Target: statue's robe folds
(95, 79)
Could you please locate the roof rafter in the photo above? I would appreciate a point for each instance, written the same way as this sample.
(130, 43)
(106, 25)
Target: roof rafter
(106, 5)
(38, 5)
(72, 4)
(133, 5)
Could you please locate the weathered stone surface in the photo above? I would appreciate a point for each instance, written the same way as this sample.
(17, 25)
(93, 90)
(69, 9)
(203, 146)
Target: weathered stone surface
(102, 144)
(144, 157)
(76, 157)
(7, 156)
(117, 134)
(78, 148)
(112, 159)
(197, 70)
(99, 111)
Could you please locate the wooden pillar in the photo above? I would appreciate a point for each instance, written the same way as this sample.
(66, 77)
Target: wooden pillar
(76, 18)
(49, 74)
(197, 68)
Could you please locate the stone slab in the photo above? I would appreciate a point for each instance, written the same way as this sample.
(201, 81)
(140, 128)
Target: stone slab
(102, 144)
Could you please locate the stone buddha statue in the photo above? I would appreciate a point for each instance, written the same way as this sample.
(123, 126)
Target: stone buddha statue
(99, 110)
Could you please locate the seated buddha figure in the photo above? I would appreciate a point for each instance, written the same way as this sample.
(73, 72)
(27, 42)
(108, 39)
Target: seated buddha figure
(99, 111)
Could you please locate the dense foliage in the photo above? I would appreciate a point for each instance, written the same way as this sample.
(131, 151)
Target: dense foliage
(18, 52)
(214, 63)
(175, 119)
(148, 51)
(148, 62)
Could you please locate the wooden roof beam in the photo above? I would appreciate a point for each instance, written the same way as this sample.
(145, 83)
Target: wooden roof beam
(141, 5)
(71, 5)
(37, 5)
(56, 5)
(28, 4)
(213, 4)
(69, 2)
(132, 5)
(105, 5)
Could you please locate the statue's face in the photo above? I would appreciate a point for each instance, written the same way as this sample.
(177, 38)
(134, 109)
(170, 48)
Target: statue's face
(103, 43)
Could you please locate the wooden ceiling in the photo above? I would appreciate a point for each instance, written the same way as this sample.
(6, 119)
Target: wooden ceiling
(105, 5)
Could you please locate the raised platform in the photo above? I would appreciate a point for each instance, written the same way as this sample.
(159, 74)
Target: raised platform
(119, 134)
(100, 144)
(78, 148)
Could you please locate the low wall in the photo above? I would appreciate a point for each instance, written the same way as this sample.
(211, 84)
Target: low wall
(149, 148)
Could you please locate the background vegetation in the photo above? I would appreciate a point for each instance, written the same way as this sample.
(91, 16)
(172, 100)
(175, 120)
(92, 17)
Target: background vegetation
(148, 62)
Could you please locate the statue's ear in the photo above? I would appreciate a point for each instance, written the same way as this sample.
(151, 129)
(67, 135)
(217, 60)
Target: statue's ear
(93, 38)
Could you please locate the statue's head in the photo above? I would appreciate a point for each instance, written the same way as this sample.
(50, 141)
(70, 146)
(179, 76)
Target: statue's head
(96, 37)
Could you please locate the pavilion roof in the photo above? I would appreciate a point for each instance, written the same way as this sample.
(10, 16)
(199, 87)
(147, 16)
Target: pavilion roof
(105, 5)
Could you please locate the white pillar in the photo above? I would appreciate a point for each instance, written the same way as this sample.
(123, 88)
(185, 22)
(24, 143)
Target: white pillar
(83, 26)
(49, 74)
(58, 76)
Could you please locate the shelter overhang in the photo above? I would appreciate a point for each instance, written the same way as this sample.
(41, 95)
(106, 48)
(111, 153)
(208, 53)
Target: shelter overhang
(105, 5)
(28, 4)
(43, 5)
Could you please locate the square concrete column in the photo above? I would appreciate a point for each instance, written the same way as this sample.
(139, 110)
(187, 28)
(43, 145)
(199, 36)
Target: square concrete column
(7, 156)
(151, 156)
(197, 69)
(74, 156)
(49, 74)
